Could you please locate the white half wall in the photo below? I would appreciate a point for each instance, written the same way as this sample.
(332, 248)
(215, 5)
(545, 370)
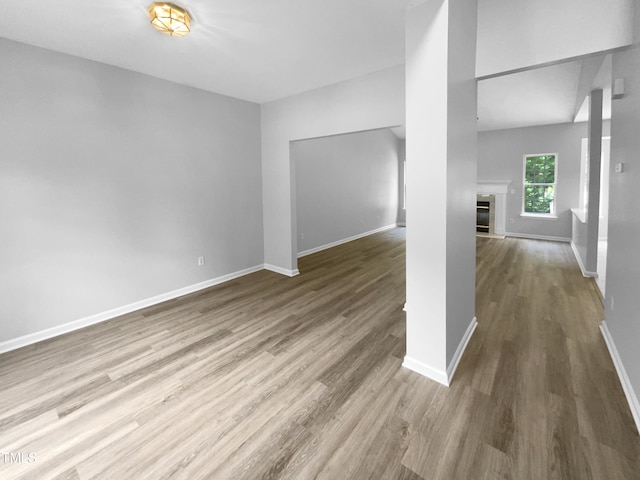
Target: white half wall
(365, 103)
(112, 184)
(346, 185)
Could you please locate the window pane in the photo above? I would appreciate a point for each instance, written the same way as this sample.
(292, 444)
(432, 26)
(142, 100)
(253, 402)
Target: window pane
(529, 176)
(540, 169)
(550, 169)
(538, 198)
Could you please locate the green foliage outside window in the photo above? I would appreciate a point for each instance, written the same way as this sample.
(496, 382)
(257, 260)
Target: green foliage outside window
(538, 199)
(539, 183)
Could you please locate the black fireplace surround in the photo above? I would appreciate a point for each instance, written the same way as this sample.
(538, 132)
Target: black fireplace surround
(483, 216)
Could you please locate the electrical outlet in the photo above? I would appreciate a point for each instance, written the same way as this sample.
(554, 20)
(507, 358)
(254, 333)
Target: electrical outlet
(512, 221)
(200, 261)
(302, 236)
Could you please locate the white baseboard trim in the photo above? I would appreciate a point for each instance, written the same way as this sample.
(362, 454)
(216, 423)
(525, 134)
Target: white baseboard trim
(346, 240)
(490, 235)
(36, 337)
(451, 369)
(441, 376)
(600, 286)
(425, 370)
(585, 273)
(401, 224)
(281, 271)
(632, 398)
(532, 236)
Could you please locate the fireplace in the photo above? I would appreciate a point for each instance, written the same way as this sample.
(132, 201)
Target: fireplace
(495, 192)
(485, 217)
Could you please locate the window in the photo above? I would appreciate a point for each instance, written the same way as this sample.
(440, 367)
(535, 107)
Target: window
(540, 184)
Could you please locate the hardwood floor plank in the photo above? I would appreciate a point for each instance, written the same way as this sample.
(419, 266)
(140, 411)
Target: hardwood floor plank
(332, 434)
(359, 461)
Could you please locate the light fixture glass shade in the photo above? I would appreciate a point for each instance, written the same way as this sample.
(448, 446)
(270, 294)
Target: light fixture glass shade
(170, 19)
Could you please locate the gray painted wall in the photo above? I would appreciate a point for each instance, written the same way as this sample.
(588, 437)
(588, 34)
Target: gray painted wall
(622, 302)
(112, 184)
(346, 185)
(462, 148)
(364, 103)
(500, 155)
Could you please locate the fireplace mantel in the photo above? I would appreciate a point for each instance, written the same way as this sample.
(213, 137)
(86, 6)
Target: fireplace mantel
(494, 187)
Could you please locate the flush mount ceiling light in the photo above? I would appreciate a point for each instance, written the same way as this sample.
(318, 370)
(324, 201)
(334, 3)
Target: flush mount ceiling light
(170, 19)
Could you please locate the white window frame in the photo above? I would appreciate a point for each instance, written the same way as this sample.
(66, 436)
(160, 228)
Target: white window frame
(551, 215)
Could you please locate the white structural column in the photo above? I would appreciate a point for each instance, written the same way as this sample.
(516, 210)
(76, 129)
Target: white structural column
(441, 149)
(595, 159)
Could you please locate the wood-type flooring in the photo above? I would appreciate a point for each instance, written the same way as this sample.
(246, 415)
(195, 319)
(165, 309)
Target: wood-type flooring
(269, 377)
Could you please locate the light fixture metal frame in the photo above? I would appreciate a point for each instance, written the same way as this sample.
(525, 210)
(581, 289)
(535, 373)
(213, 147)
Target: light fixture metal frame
(170, 19)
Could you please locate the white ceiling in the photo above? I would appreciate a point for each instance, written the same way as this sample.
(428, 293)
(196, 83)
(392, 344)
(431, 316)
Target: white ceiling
(602, 79)
(257, 50)
(263, 50)
(533, 97)
(400, 132)
(546, 95)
